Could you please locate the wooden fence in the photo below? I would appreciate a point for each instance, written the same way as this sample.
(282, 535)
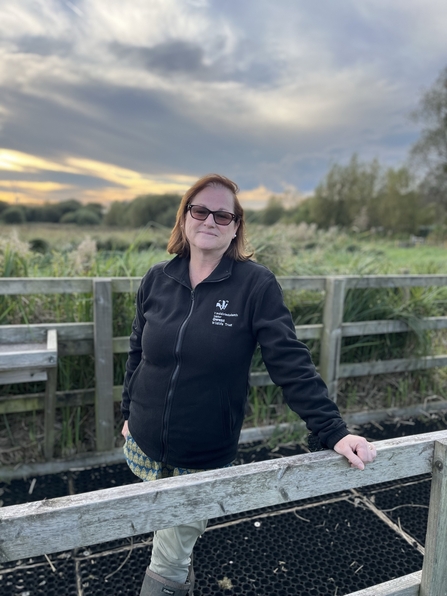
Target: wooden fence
(96, 337)
(81, 520)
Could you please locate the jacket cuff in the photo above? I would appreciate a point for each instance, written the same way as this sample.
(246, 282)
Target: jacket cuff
(337, 436)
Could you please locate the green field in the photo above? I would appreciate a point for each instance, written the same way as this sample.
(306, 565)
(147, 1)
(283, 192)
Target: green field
(63, 251)
(287, 249)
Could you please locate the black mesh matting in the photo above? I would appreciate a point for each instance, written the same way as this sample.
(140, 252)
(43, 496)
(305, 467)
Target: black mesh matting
(407, 505)
(316, 547)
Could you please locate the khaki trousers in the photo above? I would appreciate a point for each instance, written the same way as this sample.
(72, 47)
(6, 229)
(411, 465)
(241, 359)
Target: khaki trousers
(172, 549)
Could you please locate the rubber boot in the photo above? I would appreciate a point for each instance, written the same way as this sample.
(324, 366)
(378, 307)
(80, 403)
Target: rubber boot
(156, 585)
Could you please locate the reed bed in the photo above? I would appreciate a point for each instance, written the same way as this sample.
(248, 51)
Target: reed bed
(287, 250)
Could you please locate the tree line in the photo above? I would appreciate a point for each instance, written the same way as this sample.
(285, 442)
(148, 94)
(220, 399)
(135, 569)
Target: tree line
(70, 211)
(411, 199)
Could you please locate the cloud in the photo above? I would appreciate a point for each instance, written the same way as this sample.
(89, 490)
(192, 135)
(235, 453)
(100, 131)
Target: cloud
(112, 182)
(120, 97)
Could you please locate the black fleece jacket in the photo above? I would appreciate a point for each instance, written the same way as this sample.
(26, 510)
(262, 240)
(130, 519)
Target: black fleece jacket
(186, 380)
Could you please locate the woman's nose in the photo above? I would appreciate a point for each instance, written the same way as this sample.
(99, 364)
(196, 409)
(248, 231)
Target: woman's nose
(207, 220)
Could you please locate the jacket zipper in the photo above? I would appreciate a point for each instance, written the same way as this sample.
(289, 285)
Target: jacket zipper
(172, 383)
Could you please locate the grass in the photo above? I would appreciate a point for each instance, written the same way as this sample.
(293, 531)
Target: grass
(287, 250)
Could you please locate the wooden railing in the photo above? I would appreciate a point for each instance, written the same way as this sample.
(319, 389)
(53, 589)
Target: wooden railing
(75, 521)
(96, 337)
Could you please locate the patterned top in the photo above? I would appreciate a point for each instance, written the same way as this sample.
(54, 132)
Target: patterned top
(148, 469)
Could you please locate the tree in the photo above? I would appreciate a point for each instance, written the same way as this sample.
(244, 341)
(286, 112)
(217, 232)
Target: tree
(14, 215)
(398, 205)
(344, 193)
(273, 211)
(161, 209)
(82, 217)
(431, 148)
(117, 214)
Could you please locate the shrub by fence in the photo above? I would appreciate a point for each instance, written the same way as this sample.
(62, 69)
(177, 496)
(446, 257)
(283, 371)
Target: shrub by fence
(96, 337)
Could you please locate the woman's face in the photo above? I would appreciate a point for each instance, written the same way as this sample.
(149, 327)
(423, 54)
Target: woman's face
(206, 237)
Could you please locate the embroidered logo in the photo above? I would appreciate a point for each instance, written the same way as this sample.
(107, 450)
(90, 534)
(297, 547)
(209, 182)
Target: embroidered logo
(221, 318)
(222, 304)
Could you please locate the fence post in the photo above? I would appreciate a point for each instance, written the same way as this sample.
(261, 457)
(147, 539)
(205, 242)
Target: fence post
(103, 347)
(50, 394)
(434, 568)
(331, 335)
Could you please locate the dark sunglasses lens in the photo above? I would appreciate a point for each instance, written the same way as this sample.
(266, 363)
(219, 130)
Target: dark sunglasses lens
(223, 218)
(220, 217)
(199, 212)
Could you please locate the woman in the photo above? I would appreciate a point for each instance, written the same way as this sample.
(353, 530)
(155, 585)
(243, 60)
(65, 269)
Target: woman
(198, 320)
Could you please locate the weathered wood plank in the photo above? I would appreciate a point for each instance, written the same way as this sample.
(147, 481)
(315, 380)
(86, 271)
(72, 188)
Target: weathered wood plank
(77, 462)
(35, 401)
(50, 398)
(69, 522)
(102, 291)
(120, 345)
(391, 326)
(317, 282)
(434, 568)
(21, 356)
(407, 585)
(37, 333)
(309, 331)
(22, 376)
(50, 413)
(367, 416)
(260, 379)
(84, 460)
(360, 369)
(394, 281)
(331, 335)
(45, 285)
(63, 285)
(125, 285)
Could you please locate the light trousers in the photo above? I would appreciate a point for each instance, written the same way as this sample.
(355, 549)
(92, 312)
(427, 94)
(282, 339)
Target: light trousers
(172, 549)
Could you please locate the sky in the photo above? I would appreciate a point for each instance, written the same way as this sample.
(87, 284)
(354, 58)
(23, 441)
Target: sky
(104, 100)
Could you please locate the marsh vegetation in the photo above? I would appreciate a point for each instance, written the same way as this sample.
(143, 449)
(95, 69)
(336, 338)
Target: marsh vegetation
(67, 251)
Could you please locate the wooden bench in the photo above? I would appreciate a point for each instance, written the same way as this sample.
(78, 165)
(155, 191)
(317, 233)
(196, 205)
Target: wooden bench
(29, 362)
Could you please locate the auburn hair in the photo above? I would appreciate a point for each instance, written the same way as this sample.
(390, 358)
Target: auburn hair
(178, 243)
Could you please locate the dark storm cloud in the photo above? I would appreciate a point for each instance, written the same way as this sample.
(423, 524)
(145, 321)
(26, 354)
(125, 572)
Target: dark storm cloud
(57, 177)
(43, 46)
(174, 58)
(165, 58)
(142, 130)
(267, 93)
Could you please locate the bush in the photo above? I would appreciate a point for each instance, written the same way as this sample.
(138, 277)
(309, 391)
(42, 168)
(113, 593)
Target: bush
(39, 245)
(87, 217)
(68, 218)
(14, 215)
(81, 217)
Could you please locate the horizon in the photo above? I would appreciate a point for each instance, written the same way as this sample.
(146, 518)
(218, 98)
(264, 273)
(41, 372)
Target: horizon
(103, 102)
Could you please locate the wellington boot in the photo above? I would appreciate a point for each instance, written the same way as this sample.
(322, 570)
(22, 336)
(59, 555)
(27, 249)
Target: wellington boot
(156, 585)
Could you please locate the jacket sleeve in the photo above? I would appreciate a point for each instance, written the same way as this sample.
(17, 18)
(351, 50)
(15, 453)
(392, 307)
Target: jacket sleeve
(134, 355)
(290, 366)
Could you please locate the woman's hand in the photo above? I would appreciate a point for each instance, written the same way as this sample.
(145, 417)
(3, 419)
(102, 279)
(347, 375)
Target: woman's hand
(357, 450)
(125, 430)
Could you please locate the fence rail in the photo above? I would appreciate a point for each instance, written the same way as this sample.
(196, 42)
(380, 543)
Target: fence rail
(65, 523)
(96, 337)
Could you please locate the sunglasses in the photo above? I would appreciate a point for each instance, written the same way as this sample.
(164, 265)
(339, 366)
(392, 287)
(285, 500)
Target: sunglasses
(222, 218)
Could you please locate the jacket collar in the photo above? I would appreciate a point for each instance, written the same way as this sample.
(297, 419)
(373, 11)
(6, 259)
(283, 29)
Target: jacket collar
(178, 269)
